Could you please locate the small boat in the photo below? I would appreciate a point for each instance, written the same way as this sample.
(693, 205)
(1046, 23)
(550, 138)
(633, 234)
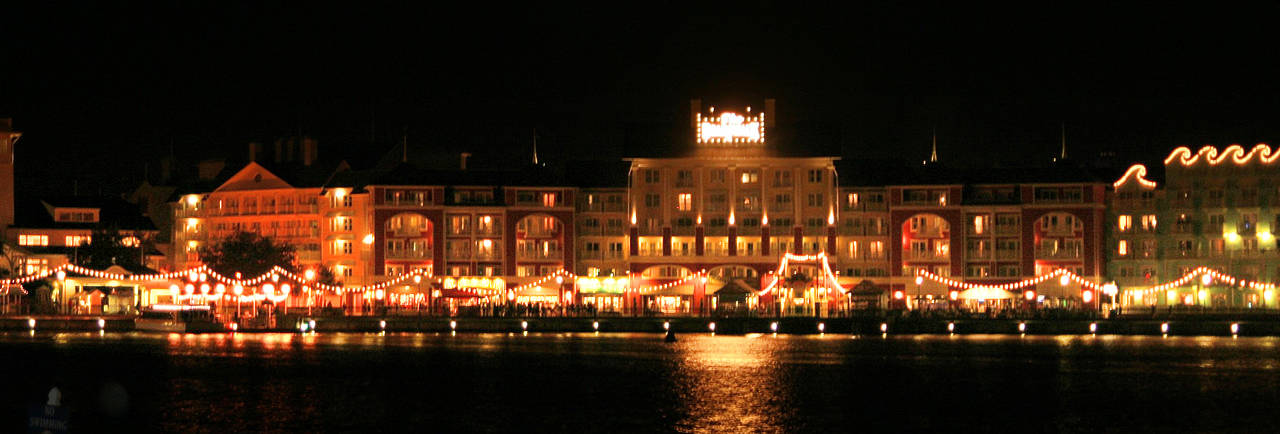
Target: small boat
(177, 318)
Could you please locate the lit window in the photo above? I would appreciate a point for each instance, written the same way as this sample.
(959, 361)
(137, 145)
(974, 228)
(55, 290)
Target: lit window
(1149, 222)
(130, 241)
(1126, 222)
(1124, 248)
(548, 200)
(33, 240)
(979, 224)
(684, 202)
(77, 240)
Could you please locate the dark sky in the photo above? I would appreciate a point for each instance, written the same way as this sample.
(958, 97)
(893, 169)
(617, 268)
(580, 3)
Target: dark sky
(100, 90)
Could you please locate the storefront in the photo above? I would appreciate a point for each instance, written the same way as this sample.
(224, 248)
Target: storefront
(605, 294)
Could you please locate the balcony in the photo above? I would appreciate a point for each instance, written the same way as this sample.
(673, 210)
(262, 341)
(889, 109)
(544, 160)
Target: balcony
(977, 254)
(537, 255)
(1048, 253)
(927, 232)
(1006, 229)
(1058, 230)
(1006, 255)
(458, 255)
(417, 254)
(926, 256)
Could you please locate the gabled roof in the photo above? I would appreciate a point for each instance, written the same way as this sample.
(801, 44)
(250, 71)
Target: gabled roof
(33, 213)
(253, 177)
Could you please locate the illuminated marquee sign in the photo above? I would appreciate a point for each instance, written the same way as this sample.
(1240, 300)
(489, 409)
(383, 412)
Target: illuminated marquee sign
(729, 127)
(495, 283)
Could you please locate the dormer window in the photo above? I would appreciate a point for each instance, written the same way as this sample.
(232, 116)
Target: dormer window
(76, 215)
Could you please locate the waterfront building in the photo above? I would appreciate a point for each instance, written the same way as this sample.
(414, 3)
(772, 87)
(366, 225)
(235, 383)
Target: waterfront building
(278, 198)
(701, 230)
(1213, 208)
(984, 227)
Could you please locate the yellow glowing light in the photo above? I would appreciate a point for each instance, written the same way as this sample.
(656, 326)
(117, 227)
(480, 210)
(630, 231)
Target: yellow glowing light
(339, 193)
(1206, 279)
(1136, 172)
(1064, 280)
(192, 199)
(368, 239)
(730, 128)
(1203, 294)
(1087, 296)
(1264, 235)
(1232, 236)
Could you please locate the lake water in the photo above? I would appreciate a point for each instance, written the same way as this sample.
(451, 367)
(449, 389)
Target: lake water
(635, 383)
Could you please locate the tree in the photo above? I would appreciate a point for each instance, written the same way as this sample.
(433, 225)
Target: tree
(248, 253)
(325, 275)
(107, 247)
(13, 262)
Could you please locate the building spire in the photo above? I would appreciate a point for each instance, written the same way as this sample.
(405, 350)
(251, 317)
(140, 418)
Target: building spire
(933, 157)
(404, 146)
(535, 146)
(1063, 156)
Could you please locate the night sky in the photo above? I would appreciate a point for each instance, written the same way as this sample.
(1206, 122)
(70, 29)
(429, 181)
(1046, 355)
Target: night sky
(101, 90)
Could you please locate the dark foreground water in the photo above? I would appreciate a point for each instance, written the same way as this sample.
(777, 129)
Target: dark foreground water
(635, 383)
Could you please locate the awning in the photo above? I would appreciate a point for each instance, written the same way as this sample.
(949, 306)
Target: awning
(735, 287)
(866, 288)
(985, 293)
(538, 291)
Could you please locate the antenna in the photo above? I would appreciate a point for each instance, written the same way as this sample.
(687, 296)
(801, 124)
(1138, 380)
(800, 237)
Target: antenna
(404, 145)
(1064, 142)
(535, 146)
(933, 157)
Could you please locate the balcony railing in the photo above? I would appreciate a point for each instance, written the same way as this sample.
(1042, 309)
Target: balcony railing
(409, 254)
(1006, 254)
(541, 256)
(927, 256)
(1006, 229)
(1045, 253)
(977, 254)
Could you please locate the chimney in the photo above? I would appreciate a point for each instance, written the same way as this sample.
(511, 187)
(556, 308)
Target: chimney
(464, 160)
(770, 116)
(166, 170)
(695, 107)
(255, 148)
(308, 151)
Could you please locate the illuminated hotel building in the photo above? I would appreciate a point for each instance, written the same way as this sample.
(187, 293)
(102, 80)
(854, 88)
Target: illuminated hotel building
(640, 234)
(1215, 207)
(326, 227)
(979, 226)
(732, 207)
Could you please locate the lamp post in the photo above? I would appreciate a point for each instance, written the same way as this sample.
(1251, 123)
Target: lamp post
(367, 267)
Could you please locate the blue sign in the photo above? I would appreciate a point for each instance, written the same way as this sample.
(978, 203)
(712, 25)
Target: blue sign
(47, 419)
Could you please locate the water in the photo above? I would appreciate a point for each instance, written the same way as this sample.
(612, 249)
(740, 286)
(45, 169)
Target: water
(634, 382)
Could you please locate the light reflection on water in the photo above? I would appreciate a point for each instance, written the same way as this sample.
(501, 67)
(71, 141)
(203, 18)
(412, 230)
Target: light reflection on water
(634, 382)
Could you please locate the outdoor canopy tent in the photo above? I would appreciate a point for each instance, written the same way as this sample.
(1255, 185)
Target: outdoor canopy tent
(985, 293)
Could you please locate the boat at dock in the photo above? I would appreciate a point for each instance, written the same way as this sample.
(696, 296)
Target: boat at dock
(178, 318)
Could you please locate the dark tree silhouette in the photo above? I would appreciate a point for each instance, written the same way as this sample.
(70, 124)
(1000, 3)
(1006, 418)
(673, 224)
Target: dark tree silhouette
(248, 253)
